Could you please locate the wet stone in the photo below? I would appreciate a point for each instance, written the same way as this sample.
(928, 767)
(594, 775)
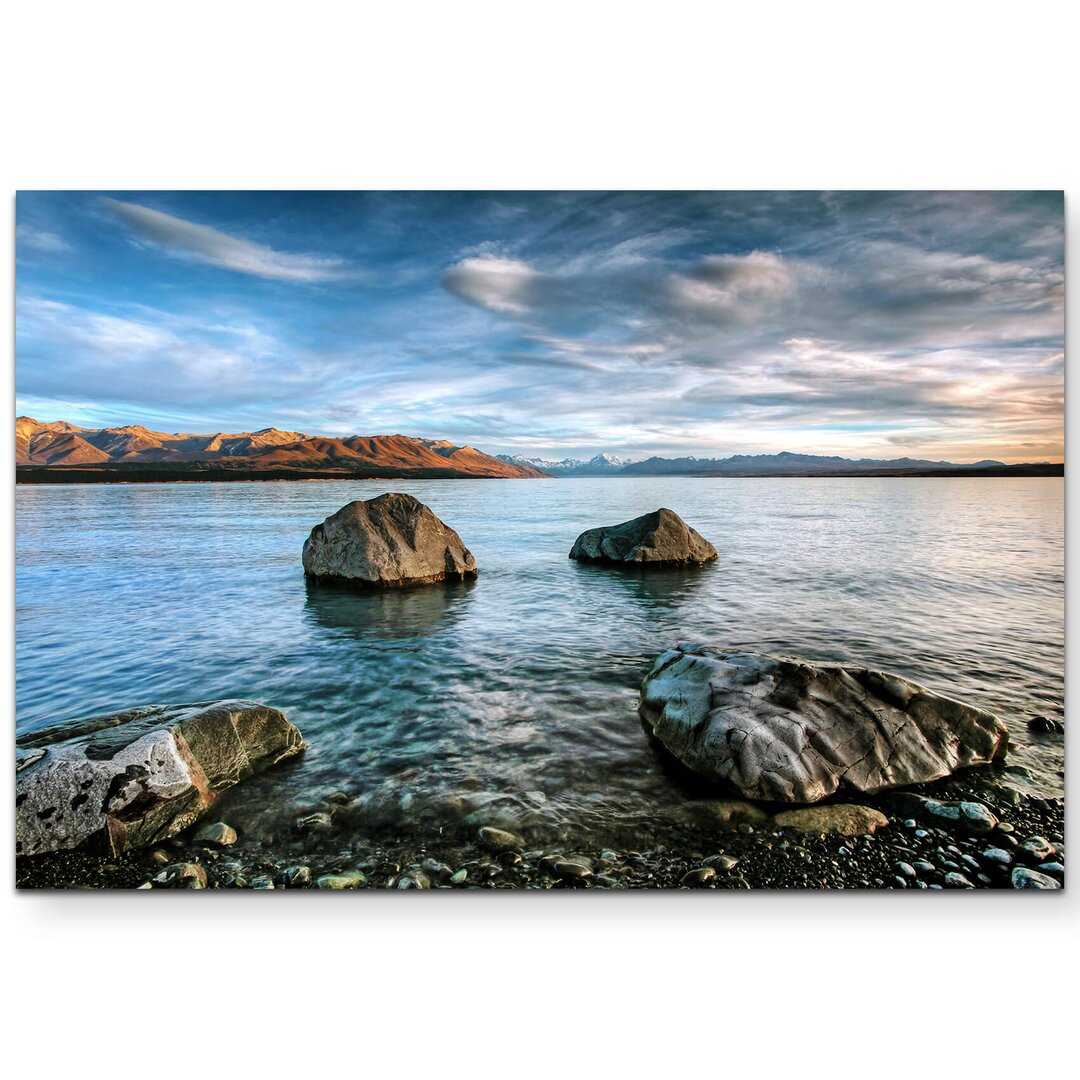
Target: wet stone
(317, 822)
(1025, 878)
(297, 877)
(1052, 869)
(567, 869)
(957, 881)
(722, 862)
(437, 871)
(216, 833)
(696, 878)
(346, 880)
(1044, 725)
(997, 857)
(186, 875)
(262, 881)
(499, 839)
(1036, 849)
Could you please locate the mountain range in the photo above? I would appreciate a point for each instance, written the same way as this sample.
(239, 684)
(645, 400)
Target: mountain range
(63, 452)
(603, 464)
(131, 451)
(784, 463)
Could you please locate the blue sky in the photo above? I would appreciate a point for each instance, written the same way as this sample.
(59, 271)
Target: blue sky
(865, 324)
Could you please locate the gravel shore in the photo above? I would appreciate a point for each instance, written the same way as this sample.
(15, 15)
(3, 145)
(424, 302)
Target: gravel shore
(1023, 849)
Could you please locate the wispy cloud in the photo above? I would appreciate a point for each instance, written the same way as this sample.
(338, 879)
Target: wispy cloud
(26, 236)
(204, 244)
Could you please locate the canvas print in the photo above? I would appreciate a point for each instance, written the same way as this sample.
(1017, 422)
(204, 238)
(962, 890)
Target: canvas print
(602, 541)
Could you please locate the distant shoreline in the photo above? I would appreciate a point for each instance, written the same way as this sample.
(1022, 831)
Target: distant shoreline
(138, 473)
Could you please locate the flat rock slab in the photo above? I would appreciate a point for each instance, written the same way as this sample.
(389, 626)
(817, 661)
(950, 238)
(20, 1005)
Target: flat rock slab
(781, 729)
(661, 538)
(393, 541)
(133, 778)
(839, 819)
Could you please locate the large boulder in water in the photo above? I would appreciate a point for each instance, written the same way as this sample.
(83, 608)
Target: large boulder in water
(393, 541)
(661, 538)
(129, 779)
(789, 730)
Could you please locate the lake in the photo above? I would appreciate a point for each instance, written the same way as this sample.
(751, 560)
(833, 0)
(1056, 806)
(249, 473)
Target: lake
(519, 690)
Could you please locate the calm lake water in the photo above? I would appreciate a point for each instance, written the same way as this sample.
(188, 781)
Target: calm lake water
(519, 691)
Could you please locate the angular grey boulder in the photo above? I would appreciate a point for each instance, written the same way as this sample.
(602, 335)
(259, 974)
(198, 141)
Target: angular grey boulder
(129, 779)
(788, 730)
(661, 538)
(393, 541)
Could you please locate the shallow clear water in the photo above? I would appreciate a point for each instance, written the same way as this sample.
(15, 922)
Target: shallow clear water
(520, 690)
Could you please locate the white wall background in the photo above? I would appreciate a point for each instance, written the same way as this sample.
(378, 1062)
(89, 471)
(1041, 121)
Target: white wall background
(559, 94)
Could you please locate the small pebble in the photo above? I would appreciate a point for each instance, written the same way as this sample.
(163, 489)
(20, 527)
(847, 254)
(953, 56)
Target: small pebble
(722, 862)
(1036, 849)
(347, 880)
(565, 869)
(297, 877)
(696, 878)
(217, 833)
(957, 881)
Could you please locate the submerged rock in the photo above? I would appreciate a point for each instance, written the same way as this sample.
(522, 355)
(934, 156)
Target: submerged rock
(130, 779)
(789, 730)
(661, 538)
(727, 814)
(1045, 726)
(499, 839)
(393, 541)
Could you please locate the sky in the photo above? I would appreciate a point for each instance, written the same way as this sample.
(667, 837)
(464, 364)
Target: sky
(554, 324)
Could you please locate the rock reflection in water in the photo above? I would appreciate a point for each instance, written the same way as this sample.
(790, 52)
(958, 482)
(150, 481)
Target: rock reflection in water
(664, 589)
(387, 614)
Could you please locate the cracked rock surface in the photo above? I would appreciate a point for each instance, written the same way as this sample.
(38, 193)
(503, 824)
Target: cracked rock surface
(129, 779)
(789, 730)
(393, 541)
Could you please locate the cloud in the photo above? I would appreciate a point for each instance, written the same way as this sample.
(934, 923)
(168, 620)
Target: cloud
(26, 236)
(204, 244)
(725, 289)
(506, 286)
(884, 325)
